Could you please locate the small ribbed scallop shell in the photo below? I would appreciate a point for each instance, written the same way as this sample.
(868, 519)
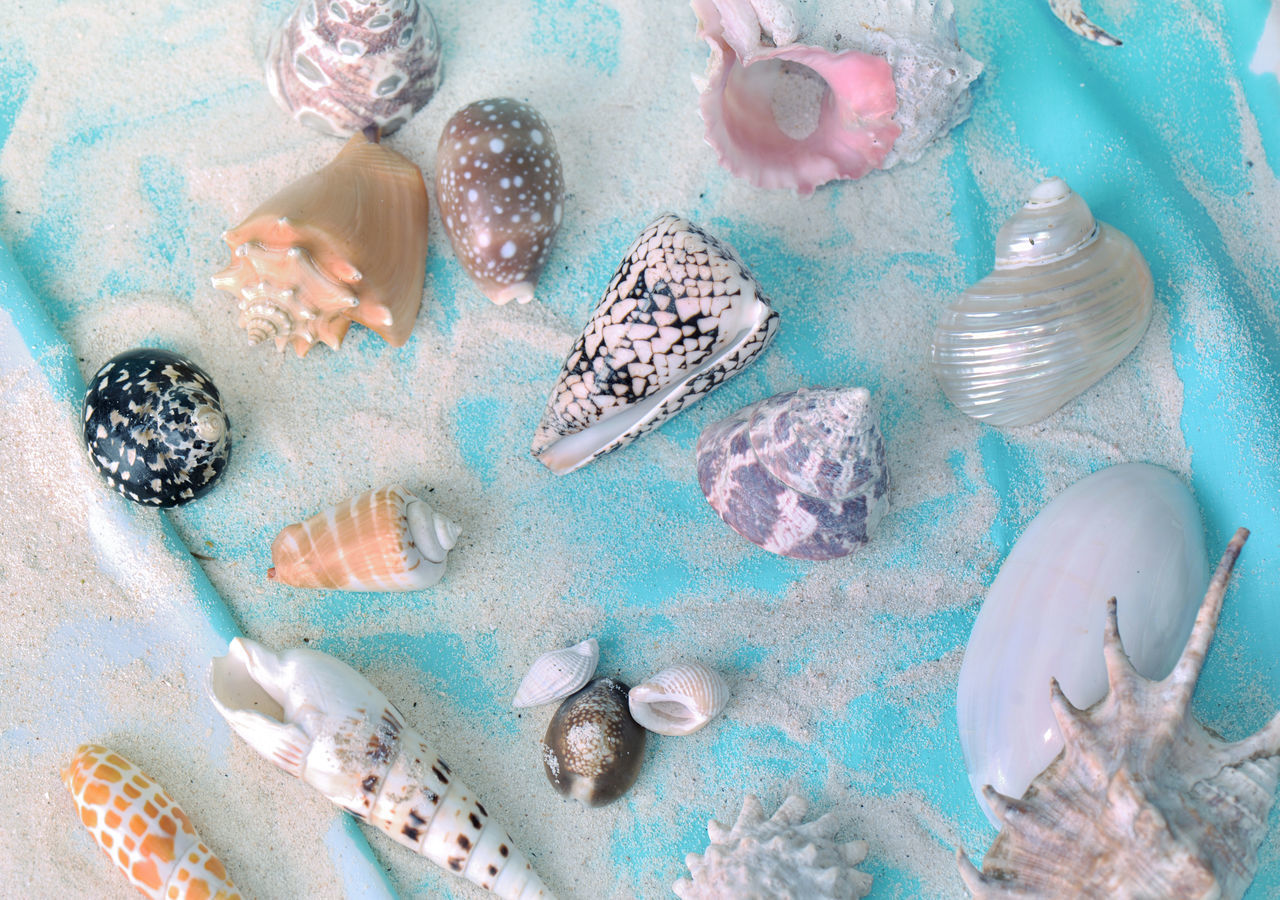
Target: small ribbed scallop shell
(341, 66)
(381, 540)
(558, 674)
(501, 194)
(1068, 299)
(679, 700)
(347, 243)
(681, 315)
(802, 474)
(593, 749)
(141, 829)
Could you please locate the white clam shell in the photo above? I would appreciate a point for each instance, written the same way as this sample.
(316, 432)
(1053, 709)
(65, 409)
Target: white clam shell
(558, 674)
(1068, 299)
(1132, 532)
(679, 700)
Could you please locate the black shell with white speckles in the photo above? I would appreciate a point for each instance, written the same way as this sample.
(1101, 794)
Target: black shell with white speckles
(593, 747)
(154, 427)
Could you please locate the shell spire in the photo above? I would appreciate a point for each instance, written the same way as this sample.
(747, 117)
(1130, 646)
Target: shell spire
(1143, 800)
(324, 722)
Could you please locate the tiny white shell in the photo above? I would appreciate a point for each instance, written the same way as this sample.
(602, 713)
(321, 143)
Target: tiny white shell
(558, 674)
(679, 700)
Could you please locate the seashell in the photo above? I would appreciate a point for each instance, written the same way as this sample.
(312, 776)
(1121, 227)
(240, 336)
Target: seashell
(1130, 531)
(681, 315)
(381, 540)
(778, 858)
(322, 721)
(558, 674)
(154, 427)
(501, 194)
(1068, 299)
(1071, 12)
(347, 243)
(593, 749)
(1144, 801)
(679, 700)
(802, 474)
(782, 114)
(343, 66)
(142, 830)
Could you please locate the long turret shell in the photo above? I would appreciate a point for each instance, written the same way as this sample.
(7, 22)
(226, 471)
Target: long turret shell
(679, 700)
(322, 721)
(558, 674)
(1143, 801)
(347, 243)
(381, 540)
(142, 830)
(1068, 299)
(681, 315)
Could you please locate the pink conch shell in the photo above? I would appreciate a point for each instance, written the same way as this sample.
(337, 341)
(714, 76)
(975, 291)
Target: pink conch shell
(901, 84)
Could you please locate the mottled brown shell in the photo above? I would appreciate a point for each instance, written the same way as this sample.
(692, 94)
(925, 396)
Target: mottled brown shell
(593, 749)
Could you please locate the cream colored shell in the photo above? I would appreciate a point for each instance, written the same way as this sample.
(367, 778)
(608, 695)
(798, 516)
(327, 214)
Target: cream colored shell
(558, 674)
(679, 700)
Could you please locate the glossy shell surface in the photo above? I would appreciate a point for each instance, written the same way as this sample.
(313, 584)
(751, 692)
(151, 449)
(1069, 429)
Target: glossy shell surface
(593, 749)
(154, 427)
(680, 316)
(679, 700)
(1068, 299)
(500, 189)
(142, 830)
(1132, 532)
(558, 674)
(801, 474)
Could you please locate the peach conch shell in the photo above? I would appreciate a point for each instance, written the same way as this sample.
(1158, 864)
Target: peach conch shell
(322, 721)
(1143, 801)
(902, 83)
(142, 830)
(381, 540)
(347, 243)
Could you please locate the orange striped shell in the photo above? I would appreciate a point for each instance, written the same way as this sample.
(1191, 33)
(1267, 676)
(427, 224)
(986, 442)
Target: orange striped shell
(142, 830)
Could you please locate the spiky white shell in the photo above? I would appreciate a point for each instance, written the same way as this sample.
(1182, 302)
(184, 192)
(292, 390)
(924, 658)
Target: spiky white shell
(1068, 299)
(680, 699)
(322, 721)
(681, 315)
(1144, 801)
(778, 858)
(558, 674)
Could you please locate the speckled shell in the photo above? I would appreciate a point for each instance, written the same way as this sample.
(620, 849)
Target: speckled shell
(679, 700)
(593, 749)
(141, 829)
(322, 721)
(341, 66)
(681, 315)
(501, 194)
(558, 674)
(1071, 12)
(381, 540)
(1068, 299)
(778, 858)
(1143, 801)
(154, 427)
(801, 474)
(347, 243)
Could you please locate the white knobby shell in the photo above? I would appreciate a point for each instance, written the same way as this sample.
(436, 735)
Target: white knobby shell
(1068, 298)
(679, 700)
(558, 674)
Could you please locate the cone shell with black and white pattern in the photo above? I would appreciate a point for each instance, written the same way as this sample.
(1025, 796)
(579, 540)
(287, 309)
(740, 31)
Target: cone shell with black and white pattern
(681, 315)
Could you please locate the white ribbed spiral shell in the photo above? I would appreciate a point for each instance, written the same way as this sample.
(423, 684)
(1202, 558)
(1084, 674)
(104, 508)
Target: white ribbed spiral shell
(558, 674)
(679, 700)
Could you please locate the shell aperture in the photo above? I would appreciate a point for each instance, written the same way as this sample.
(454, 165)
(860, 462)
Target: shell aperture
(680, 316)
(154, 427)
(322, 721)
(142, 830)
(679, 700)
(593, 749)
(500, 191)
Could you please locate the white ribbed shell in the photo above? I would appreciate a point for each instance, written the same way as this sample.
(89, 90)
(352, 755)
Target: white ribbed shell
(679, 700)
(1068, 299)
(558, 674)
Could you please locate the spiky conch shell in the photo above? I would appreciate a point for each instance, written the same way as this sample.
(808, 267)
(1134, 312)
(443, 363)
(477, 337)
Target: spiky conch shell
(1143, 801)
(142, 830)
(779, 858)
(347, 243)
(322, 721)
(382, 540)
